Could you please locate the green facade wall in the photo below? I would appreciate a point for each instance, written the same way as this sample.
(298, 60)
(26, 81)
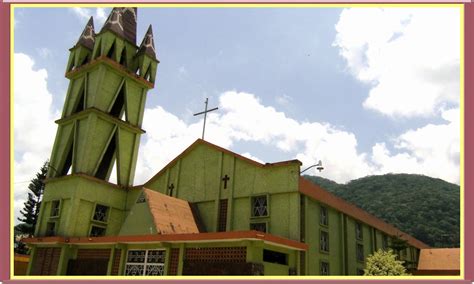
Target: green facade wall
(197, 178)
(341, 228)
(78, 196)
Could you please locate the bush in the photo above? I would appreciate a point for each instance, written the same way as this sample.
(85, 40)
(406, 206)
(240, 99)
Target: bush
(384, 263)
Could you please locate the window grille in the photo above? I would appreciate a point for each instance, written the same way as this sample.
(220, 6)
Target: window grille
(55, 207)
(324, 268)
(100, 213)
(145, 262)
(259, 206)
(324, 241)
(324, 216)
(222, 221)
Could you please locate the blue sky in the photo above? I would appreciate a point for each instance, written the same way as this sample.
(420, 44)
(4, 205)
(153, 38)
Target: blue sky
(367, 91)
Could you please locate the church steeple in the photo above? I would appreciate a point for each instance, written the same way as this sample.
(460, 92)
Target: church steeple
(81, 52)
(148, 44)
(103, 112)
(122, 22)
(146, 56)
(87, 37)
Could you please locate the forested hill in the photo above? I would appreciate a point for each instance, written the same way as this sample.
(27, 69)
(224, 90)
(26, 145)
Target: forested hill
(424, 207)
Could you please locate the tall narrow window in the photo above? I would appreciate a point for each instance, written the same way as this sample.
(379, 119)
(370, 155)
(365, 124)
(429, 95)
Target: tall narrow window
(324, 241)
(222, 215)
(384, 242)
(323, 215)
(55, 208)
(324, 269)
(360, 252)
(359, 234)
(259, 206)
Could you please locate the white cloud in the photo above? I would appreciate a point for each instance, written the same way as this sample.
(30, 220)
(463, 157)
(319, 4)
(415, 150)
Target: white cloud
(243, 118)
(283, 100)
(85, 13)
(252, 157)
(34, 129)
(409, 57)
(431, 150)
(44, 52)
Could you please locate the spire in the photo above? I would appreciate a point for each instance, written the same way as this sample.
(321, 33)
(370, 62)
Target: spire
(123, 22)
(87, 37)
(148, 44)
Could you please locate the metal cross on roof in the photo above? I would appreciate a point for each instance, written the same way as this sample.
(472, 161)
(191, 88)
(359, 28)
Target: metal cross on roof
(205, 115)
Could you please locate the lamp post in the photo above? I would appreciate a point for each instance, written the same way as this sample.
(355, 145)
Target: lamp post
(319, 167)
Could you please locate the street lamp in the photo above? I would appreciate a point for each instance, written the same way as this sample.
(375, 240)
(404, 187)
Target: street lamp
(319, 167)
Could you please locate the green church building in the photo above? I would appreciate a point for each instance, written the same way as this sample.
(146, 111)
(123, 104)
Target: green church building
(208, 212)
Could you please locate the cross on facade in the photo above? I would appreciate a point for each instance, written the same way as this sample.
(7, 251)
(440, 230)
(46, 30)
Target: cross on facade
(171, 187)
(205, 115)
(225, 179)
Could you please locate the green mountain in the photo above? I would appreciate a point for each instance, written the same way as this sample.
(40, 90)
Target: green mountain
(424, 207)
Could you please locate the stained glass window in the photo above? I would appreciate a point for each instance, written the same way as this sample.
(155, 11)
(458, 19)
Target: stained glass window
(145, 262)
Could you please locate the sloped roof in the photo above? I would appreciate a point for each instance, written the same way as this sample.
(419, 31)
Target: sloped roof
(218, 148)
(123, 22)
(87, 37)
(439, 259)
(148, 44)
(317, 193)
(170, 215)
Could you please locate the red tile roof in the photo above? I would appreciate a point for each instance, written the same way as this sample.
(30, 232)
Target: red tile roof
(439, 259)
(175, 238)
(203, 142)
(317, 193)
(170, 215)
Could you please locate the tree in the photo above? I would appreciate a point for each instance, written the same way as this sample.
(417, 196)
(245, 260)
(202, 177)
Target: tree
(398, 244)
(31, 207)
(384, 263)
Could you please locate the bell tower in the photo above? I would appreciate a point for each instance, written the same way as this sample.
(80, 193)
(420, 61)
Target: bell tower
(101, 120)
(100, 127)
